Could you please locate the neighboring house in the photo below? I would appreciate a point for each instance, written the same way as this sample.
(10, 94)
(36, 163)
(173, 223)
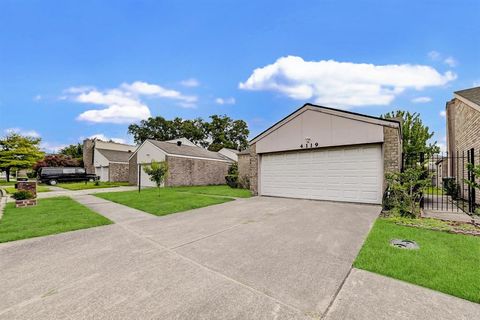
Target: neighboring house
(229, 153)
(108, 160)
(244, 164)
(187, 165)
(325, 154)
(463, 131)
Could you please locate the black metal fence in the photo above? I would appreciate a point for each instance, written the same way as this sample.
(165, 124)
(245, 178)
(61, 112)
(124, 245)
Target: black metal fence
(447, 175)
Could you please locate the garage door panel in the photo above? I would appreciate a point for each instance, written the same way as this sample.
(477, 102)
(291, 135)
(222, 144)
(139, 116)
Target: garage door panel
(352, 174)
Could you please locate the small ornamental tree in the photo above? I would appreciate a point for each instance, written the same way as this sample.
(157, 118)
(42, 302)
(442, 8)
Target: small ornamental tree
(157, 171)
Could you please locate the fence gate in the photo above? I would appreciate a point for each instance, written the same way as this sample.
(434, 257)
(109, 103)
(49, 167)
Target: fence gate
(447, 174)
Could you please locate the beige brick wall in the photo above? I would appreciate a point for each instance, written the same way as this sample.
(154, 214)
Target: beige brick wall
(195, 172)
(463, 123)
(392, 150)
(133, 170)
(254, 169)
(88, 155)
(118, 172)
(244, 165)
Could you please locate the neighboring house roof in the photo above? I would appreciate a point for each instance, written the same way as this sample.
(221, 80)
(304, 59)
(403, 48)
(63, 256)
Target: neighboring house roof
(246, 151)
(472, 94)
(189, 151)
(332, 111)
(232, 150)
(184, 141)
(115, 155)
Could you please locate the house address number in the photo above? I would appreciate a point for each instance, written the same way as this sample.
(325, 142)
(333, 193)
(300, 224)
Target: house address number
(309, 145)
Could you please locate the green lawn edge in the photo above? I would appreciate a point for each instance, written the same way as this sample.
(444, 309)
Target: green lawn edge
(50, 216)
(446, 262)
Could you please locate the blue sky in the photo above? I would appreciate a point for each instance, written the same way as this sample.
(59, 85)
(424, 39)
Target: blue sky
(74, 69)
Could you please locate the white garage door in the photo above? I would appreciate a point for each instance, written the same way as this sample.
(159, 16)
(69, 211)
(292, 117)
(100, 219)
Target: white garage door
(351, 174)
(102, 172)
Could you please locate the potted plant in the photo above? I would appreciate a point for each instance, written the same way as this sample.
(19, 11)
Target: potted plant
(24, 198)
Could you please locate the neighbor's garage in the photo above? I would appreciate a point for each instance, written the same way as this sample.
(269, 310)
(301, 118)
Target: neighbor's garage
(325, 154)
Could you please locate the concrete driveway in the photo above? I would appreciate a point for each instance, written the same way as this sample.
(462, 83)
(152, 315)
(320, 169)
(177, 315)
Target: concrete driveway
(258, 258)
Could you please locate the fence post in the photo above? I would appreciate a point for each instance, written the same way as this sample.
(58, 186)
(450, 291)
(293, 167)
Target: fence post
(472, 176)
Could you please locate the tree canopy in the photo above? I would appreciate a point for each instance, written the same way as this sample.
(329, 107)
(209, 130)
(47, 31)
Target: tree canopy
(57, 160)
(222, 131)
(19, 152)
(415, 134)
(75, 151)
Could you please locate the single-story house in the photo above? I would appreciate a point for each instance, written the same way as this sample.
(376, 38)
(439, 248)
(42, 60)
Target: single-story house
(188, 165)
(108, 160)
(463, 131)
(229, 153)
(325, 154)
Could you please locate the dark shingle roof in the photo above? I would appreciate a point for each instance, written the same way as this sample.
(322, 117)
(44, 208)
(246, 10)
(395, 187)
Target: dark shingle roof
(184, 150)
(472, 94)
(115, 155)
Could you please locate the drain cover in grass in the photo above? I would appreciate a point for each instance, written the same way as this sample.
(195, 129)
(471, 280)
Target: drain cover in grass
(404, 244)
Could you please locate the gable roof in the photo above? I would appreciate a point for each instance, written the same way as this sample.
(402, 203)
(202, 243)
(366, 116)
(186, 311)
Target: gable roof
(332, 111)
(472, 94)
(188, 151)
(115, 155)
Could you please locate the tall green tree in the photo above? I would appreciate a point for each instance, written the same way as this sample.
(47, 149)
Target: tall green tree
(221, 131)
(75, 151)
(415, 135)
(19, 152)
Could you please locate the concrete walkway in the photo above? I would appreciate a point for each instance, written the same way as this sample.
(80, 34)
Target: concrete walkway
(58, 192)
(258, 258)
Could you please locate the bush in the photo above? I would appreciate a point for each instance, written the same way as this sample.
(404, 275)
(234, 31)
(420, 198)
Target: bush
(451, 187)
(405, 192)
(22, 195)
(232, 177)
(32, 174)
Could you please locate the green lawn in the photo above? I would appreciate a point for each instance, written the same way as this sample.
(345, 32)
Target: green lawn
(445, 262)
(90, 185)
(5, 183)
(221, 190)
(434, 190)
(50, 216)
(40, 188)
(168, 200)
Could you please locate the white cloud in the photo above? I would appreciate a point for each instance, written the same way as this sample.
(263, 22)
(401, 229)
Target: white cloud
(101, 136)
(343, 84)
(443, 113)
(191, 82)
(123, 104)
(421, 100)
(51, 147)
(450, 61)
(20, 131)
(230, 100)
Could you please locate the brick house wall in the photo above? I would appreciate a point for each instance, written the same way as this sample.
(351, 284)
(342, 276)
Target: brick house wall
(244, 166)
(133, 170)
(253, 163)
(195, 172)
(118, 172)
(88, 146)
(463, 126)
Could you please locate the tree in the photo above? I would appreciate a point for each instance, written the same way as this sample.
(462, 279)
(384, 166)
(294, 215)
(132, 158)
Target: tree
(56, 160)
(415, 135)
(227, 133)
(19, 152)
(75, 151)
(157, 172)
(221, 131)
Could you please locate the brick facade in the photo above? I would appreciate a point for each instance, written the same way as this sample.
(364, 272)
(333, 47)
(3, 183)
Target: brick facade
(195, 172)
(133, 170)
(392, 150)
(254, 169)
(88, 146)
(463, 127)
(244, 166)
(118, 172)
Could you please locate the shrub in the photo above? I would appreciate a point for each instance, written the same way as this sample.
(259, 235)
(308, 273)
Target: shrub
(405, 192)
(232, 177)
(22, 195)
(451, 187)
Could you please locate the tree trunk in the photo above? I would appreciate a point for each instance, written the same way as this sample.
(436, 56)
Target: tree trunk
(7, 171)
